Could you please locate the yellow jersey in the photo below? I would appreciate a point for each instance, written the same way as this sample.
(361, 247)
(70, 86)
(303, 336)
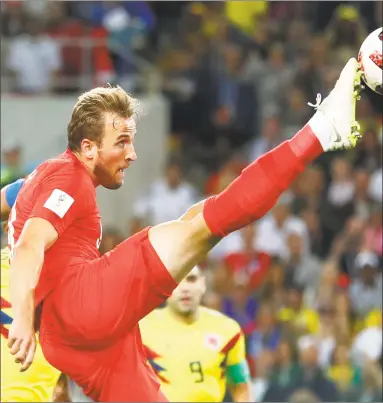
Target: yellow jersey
(38, 382)
(194, 362)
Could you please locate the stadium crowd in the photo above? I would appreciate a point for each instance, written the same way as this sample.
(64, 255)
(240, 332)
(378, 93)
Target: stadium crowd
(305, 282)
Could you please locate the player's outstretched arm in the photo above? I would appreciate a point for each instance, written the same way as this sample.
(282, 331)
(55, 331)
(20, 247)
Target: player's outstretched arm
(37, 236)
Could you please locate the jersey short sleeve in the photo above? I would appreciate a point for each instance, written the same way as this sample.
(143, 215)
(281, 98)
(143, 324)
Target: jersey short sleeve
(12, 190)
(237, 366)
(237, 352)
(63, 197)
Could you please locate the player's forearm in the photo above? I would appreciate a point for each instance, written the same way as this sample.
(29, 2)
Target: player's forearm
(241, 392)
(25, 272)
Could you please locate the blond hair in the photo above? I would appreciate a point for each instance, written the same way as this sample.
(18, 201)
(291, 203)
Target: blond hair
(87, 121)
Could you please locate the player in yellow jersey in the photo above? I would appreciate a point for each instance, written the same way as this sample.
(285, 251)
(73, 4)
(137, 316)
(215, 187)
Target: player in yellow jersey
(196, 352)
(39, 382)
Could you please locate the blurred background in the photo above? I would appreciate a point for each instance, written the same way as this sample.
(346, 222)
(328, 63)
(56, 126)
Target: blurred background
(221, 83)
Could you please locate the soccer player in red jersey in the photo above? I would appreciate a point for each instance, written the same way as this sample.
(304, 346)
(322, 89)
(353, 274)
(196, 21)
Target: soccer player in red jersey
(87, 307)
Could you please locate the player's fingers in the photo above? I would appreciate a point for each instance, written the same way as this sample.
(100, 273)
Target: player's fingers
(14, 345)
(29, 358)
(11, 340)
(23, 351)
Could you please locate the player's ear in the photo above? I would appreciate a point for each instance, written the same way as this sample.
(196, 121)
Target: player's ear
(89, 149)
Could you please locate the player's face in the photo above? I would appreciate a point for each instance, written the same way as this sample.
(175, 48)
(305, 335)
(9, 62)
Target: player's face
(116, 151)
(187, 296)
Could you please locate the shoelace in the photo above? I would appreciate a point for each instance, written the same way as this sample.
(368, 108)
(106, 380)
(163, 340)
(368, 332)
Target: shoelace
(318, 102)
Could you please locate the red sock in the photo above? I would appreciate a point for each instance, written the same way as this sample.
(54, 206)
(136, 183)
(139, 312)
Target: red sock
(260, 184)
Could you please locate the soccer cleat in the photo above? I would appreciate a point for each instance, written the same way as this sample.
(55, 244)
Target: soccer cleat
(334, 122)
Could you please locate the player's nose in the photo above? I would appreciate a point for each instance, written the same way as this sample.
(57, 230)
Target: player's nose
(131, 155)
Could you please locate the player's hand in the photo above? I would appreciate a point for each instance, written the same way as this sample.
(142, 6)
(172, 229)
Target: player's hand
(22, 342)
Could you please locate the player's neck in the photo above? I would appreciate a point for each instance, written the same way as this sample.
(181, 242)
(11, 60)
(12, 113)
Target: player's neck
(88, 167)
(186, 319)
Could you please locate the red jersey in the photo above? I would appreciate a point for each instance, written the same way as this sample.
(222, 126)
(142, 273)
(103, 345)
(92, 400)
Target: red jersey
(92, 304)
(61, 191)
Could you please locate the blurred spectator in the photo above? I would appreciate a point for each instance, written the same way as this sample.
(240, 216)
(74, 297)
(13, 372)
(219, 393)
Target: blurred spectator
(369, 156)
(272, 230)
(286, 369)
(217, 182)
(296, 42)
(273, 288)
(263, 367)
(243, 13)
(245, 265)
(13, 18)
(84, 51)
(308, 76)
(362, 202)
(259, 44)
(338, 206)
(326, 337)
(341, 189)
(303, 267)
(126, 31)
(347, 244)
(294, 315)
(179, 86)
(346, 30)
(12, 166)
(234, 106)
(367, 345)
(344, 318)
(295, 112)
(372, 385)
(342, 372)
(168, 199)
(37, 8)
(270, 138)
(366, 289)
(327, 286)
(312, 376)
(266, 334)
(375, 188)
(373, 235)
(35, 60)
(239, 305)
(312, 221)
(308, 376)
(273, 79)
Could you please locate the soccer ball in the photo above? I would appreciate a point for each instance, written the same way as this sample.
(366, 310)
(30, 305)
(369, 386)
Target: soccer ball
(370, 59)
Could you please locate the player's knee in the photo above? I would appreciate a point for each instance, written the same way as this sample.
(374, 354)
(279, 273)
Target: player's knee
(181, 244)
(193, 211)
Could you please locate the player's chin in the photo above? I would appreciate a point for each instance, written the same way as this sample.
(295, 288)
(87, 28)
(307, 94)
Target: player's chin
(113, 185)
(186, 307)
